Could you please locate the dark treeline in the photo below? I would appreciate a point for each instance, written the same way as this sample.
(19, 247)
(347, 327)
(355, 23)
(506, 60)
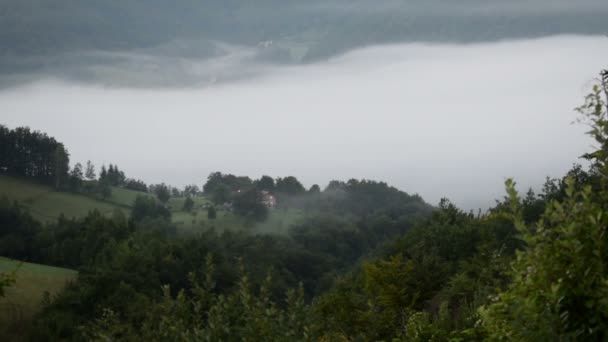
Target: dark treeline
(220, 186)
(35, 155)
(112, 175)
(32, 154)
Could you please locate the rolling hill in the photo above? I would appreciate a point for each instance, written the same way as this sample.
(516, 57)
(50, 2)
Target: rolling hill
(45, 204)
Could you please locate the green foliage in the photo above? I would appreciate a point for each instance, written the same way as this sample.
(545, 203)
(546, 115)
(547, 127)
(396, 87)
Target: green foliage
(6, 280)
(250, 204)
(265, 183)
(211, 213)
(289, 185)
(145, 206)
(113, 176)
(76, 178)
(366, 197)
(90, 172)
(230, 183)
(135, 185)
(30, 287)
(221, 194)
(593, 112)
(204, 315)
(559, 289)
(314, 189)
(188, 204)
(162, 192)
(35, 155)
(426, 285)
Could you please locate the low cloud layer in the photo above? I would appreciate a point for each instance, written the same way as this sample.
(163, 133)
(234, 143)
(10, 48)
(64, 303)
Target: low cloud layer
(438, 120)
(469, 7)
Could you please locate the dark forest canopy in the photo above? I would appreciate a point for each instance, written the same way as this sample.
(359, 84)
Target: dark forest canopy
(34, 155)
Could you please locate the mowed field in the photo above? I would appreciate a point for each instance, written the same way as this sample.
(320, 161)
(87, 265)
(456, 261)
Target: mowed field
(46, 204)
(23, 299)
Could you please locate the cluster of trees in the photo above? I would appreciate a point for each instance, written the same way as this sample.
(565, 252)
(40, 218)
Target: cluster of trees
(32, 154)
(245, 194)
(85, 181)
(222, 186)
(149, 207)
(112, 175)
(35, 155)
(355, 197)
(162, 192)
(136, 185)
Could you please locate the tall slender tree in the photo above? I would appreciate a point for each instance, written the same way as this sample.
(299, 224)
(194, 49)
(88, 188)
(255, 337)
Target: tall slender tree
(61, 162)
(90, 173)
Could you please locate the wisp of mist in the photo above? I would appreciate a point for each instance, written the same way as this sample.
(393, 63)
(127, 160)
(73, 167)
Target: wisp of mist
(438, 120)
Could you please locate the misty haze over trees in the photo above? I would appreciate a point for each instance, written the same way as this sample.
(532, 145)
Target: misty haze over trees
(340, 170)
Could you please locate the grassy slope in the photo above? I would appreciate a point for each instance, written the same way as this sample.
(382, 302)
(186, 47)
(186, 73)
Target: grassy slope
(24, 298)
(125, 197)
(46, 204)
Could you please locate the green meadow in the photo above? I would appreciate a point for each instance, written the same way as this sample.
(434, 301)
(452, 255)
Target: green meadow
(24, 299)
(46, 204)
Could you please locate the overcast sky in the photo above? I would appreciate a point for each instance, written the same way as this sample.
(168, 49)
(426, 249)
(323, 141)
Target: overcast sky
(439, 120)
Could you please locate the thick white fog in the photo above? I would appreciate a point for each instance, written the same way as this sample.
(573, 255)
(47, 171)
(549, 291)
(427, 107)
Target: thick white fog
(439, 120)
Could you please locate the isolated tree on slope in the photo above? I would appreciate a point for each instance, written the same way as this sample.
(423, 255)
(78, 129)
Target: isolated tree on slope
(188, 204)
(103, 174)
(162, 192)
(90, 174)
(76, 177)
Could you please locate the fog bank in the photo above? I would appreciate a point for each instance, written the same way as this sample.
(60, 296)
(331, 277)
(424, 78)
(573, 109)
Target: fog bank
(439, 120)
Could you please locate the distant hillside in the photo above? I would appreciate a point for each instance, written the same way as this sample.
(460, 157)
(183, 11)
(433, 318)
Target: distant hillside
(46, 204)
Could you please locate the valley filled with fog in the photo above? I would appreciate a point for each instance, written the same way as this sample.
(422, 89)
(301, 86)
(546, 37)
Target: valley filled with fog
(440, 120)
(320, 170)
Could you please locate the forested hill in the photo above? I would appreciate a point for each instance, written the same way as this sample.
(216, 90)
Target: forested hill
(302, 30)
(76, 216)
